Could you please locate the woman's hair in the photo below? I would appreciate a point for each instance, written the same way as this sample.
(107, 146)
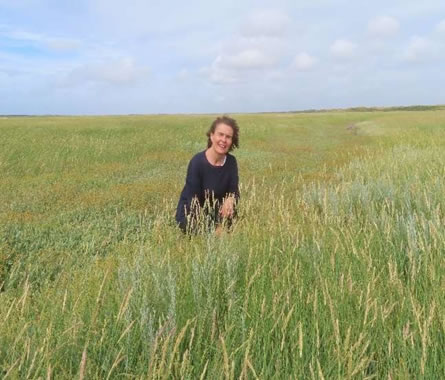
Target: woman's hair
(231, 123)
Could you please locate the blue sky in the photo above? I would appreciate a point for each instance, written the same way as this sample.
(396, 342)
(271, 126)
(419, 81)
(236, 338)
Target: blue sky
(135, 56)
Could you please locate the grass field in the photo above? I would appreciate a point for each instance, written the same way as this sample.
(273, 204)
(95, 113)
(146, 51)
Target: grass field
(335, 268)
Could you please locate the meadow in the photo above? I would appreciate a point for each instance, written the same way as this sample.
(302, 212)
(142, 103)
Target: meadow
(334, 269)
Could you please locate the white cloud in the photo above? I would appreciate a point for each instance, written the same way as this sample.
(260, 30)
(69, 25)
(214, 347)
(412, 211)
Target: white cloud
(62, 44)
(219, 75)
(269, 23)
(21, 66)
(120, 19)
(41, 40)
(250, 59)
(383, 27)
(235, 68)
(440, 27)
(343, 49)
(120, 72)
(183, 74)
(275, 46)
(257, 48)
(419, 49)
(304, 61)
(21, 35)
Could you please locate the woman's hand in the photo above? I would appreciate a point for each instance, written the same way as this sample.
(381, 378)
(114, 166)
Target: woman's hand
(227, 208)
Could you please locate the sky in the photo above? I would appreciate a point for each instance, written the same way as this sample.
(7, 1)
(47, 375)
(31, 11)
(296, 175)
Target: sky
(200, 56)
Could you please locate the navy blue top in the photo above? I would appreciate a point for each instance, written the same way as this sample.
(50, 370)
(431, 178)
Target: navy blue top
(206, 181)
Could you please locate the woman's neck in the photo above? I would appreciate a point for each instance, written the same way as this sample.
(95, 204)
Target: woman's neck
(214, 158)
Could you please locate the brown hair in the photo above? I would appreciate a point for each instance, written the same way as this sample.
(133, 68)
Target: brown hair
(231, 123)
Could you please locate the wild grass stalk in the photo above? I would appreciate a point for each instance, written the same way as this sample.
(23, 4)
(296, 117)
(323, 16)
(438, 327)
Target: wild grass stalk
(334, 268)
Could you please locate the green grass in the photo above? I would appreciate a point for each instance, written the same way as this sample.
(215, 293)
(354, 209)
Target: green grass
(334, 269)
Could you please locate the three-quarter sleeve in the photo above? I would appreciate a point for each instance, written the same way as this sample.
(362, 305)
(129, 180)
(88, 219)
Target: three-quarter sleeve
(234, 181)
(192, 189)
(193, 186)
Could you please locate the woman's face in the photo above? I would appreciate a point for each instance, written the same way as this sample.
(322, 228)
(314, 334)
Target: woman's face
(222, 138)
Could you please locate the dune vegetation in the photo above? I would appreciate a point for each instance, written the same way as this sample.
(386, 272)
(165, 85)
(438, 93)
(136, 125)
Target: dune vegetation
(333, 270)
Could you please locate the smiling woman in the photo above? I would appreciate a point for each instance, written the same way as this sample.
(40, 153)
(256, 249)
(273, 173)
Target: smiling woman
(211, 192)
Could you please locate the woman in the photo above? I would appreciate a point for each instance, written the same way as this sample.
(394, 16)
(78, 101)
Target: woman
(211, 189)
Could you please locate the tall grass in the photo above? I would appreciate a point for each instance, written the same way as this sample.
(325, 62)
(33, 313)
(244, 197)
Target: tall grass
(333, 270)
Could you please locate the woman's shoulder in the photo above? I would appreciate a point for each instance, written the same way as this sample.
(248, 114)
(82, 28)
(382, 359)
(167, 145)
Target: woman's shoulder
(231, 158)
(198, 159)
(198, 156)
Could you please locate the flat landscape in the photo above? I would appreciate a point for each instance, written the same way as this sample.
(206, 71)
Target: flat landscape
(334, 268)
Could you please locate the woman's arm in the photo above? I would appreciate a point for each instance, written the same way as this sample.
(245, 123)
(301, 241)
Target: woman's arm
(189, 199)
(193, 187)
(228, 207)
